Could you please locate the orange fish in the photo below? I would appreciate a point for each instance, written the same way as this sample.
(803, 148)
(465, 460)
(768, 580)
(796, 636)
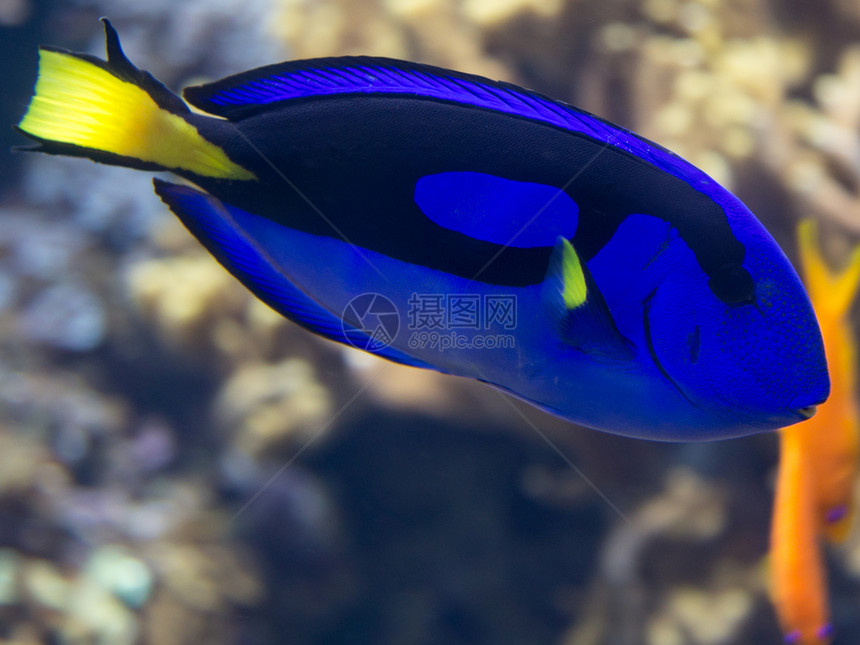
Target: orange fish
(818, 459)
(832, 438)
(798, 579)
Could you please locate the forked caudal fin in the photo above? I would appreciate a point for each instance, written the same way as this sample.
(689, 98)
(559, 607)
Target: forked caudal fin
(112, 112)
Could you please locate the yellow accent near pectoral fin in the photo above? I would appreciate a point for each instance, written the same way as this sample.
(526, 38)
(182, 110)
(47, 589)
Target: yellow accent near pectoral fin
(575, 288)
(80, 103)
(577, 309)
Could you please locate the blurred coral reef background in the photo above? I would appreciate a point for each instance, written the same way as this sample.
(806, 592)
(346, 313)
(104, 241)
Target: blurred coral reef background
(146, 399)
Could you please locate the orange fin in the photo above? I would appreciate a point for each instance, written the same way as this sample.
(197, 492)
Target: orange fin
(832, 292)
(798, 578)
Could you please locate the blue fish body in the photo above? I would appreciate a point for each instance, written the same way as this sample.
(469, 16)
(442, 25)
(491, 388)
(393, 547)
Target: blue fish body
(447, 221)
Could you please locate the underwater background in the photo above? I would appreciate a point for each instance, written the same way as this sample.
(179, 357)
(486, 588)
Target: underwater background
(180, 465)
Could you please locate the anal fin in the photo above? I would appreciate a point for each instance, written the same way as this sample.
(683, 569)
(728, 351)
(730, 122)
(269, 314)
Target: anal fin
(219, 227)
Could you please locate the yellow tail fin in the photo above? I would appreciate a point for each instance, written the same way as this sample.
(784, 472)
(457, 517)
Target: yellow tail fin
(115, 113)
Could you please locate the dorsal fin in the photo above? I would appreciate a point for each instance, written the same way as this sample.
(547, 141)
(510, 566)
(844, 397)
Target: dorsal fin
(259, 90)
(256, 90)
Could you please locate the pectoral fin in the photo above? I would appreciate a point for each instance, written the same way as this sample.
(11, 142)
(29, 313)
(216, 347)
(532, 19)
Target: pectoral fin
(574, 302)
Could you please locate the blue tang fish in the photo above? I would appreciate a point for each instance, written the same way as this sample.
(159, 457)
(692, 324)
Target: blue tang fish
(491, 233)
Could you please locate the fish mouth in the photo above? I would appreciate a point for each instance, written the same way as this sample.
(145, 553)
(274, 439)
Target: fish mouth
(806, 412)
(805, 406)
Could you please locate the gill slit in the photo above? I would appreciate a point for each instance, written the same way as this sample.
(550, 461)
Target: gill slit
(646, 324)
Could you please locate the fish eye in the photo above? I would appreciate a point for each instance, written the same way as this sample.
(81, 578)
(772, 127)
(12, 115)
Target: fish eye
(733, 285)
(808, 412)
